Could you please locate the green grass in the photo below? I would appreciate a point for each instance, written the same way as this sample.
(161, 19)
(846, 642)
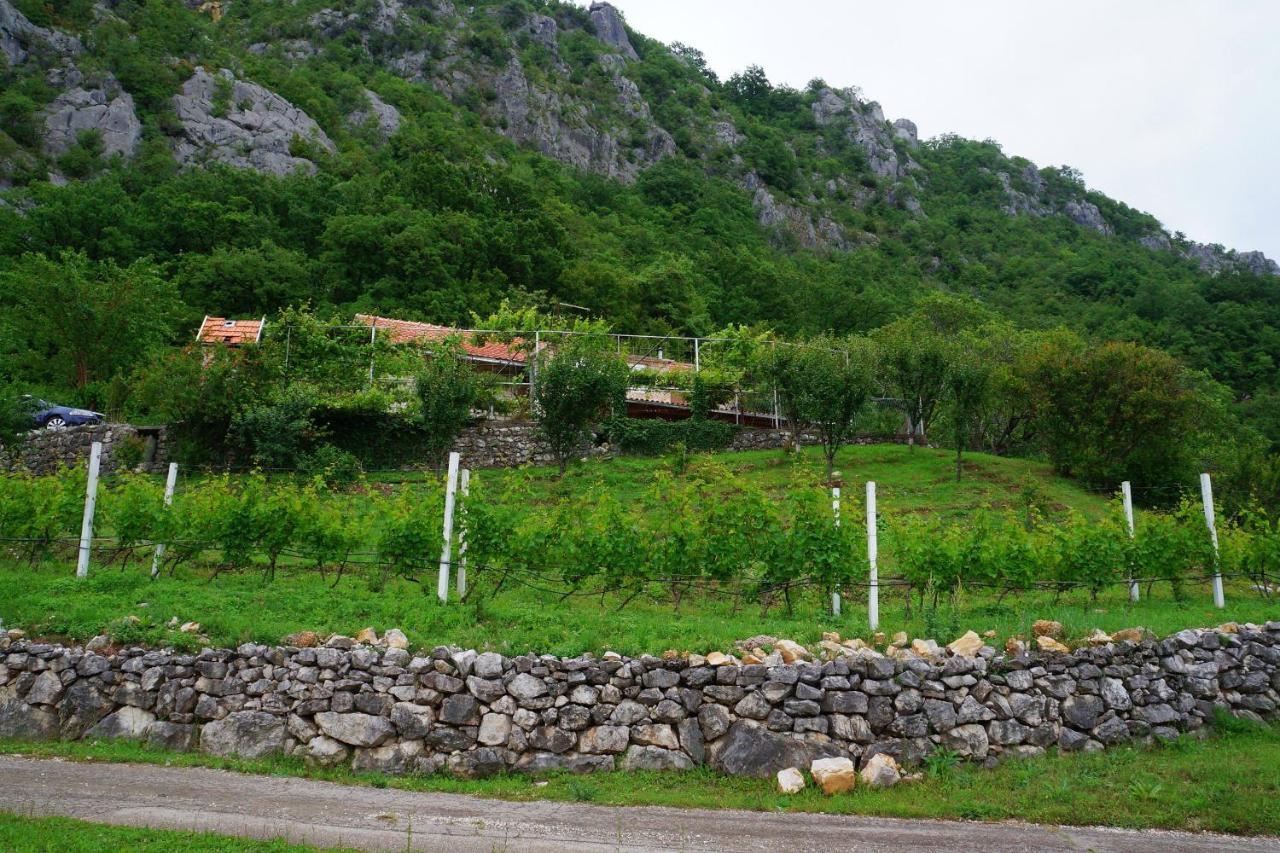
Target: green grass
(907, 480)
(1225, 783)
(48, 600)
(65, 835)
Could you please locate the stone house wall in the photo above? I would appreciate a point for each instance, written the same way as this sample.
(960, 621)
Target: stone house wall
(474, 714)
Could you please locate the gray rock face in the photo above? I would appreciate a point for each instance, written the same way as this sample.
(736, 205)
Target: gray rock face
(242, 124)
(611, 30)
(905, 129)
(19, 37)
(107, 110)
(1215, 259)
(1086, 213)
(561, 127)
(248, 734)
(384, 118)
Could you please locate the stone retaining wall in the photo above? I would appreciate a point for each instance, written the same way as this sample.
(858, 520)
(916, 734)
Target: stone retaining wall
(474, 714)
(507, 444)
(46, 451)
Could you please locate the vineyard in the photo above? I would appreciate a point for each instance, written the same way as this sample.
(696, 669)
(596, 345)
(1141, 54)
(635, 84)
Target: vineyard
(695, 541)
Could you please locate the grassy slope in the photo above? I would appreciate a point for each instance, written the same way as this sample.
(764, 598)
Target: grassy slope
(1226, 783)
(235, 608)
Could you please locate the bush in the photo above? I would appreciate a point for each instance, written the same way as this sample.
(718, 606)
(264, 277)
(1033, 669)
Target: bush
(274, 435)
(644, 437)
(335, 466)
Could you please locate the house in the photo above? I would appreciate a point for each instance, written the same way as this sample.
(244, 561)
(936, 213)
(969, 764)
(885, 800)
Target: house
(231, 333)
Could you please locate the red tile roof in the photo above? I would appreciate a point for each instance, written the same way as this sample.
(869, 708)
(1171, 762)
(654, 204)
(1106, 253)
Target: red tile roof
(405, 331)
(220, 330)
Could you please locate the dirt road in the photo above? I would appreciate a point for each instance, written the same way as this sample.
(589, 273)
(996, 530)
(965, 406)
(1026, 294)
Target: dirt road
(328, 815)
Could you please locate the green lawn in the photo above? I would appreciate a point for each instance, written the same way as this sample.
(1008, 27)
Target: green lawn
(64, 835)
(1226, 783)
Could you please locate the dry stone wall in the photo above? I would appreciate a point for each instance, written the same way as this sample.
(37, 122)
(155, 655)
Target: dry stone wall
(46, 451)
(473, 714)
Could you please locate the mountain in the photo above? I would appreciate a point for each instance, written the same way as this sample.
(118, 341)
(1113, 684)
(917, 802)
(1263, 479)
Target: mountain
(432, 159)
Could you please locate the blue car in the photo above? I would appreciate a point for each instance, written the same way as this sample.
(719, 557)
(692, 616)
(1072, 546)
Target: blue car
(46, 415)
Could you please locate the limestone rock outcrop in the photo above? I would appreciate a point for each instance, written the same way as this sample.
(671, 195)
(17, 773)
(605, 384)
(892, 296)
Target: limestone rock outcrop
(232, 121)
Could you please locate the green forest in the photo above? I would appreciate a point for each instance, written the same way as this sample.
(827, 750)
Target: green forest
(107, 264)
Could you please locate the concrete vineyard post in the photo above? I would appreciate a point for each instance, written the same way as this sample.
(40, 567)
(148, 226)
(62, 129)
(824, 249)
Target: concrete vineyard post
(1206, 495)
(170, 482)
(90, 502)
(446, 551)
(873, 588)
(1127, 492)
(835, 509)
(464, 486)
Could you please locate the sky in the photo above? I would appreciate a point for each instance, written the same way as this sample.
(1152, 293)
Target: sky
(1172, 107)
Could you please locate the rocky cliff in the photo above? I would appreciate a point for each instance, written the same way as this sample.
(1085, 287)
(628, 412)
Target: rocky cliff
(572, 83)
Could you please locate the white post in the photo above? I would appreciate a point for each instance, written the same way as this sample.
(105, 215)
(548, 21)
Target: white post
(873, 590)
(169, 484)
(446, 552)
(1127, 492)
(697, 359)
(90, 501)
(464, 485)
(835, 509)
(1206, 495)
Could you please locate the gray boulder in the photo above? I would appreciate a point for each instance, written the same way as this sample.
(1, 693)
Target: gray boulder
(127, 723)
(20, 721)
(355, 729)
(324, 751)
(750, 749)
(385, 121)
(174, 737)
(248, 734)
(525, 687)
(655, 758)
(231, 121)
(392, 758)
(604, 740)
(967, 740)
(82, 706)
(45, 690)
(107, 111)
(1082, 712)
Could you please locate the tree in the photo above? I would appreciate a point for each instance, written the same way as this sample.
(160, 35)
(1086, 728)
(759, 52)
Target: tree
(913, 360)
(447, 388)
(579, 385)
(823, 385)
(968, 388)
(71, 321)
(1118, 411)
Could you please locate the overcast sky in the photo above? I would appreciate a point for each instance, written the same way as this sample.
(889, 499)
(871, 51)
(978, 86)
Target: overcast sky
(1172, 106)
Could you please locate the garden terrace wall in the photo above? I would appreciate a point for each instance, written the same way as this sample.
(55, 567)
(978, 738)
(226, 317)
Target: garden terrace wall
(474, 714)
(47, 451)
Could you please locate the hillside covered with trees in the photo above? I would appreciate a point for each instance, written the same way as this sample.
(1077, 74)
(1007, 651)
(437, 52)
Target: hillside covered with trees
(161, 160)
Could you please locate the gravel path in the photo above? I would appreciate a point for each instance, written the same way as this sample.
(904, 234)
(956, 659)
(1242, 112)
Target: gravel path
(328, 814)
